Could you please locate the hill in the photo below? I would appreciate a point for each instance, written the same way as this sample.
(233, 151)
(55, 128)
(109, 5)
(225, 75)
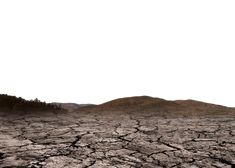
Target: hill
(71, 106)
(138, 104)
(13, 104)
(146, 104)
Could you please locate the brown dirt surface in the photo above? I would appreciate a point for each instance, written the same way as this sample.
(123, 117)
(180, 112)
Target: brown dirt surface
(112, 135)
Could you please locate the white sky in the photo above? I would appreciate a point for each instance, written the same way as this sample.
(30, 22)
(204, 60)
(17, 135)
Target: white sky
(93, 51)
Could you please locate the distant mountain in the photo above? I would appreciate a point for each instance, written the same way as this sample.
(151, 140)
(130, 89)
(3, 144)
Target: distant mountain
(71, 106)
(146, 104)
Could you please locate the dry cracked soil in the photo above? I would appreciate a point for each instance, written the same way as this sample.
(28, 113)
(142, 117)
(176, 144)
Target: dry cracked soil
(120, 140)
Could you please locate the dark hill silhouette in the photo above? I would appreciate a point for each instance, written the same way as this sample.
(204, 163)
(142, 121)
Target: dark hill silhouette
(13, 104)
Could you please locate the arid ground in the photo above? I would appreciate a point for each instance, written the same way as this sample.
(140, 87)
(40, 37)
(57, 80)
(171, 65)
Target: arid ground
(98, 139)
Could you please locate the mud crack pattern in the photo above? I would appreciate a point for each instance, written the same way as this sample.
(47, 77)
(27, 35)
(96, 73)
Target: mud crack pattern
(93, 140)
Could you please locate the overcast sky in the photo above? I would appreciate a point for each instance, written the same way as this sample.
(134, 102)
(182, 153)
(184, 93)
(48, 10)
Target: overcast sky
(93, 51)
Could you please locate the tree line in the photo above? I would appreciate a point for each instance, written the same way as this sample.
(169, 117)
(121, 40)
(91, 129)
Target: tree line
(13, 103)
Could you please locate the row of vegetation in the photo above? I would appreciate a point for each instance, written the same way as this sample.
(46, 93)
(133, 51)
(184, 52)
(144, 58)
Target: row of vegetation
(13, 103)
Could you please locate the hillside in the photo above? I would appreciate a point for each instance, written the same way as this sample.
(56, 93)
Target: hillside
(138, 104)
(148, 104)
(13, 104)
(72, 106)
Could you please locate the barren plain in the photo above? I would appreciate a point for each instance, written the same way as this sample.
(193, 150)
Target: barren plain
(89, 139)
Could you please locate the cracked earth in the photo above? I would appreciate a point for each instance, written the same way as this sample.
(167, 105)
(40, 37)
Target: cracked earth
(97, 140)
